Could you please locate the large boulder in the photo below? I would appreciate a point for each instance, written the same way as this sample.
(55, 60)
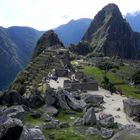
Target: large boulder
(94, 99)
(106, 133)
(131, 107)
(78, 122)
(128, 132)
(52, 124)
(50, 98)
(13, 98)
(47, 117)
(67, 101)
(92, 131)
(10, 128)
(31, 134)
(89, 117)
(62, 102)
(36, 134)
(36, 100)
(15, 112)
(103, 132)
(51, 110)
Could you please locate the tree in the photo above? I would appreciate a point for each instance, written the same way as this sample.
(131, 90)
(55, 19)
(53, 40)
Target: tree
(136, 77)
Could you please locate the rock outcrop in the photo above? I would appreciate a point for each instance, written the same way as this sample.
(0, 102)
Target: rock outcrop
(131, 132)
(15, 112)
(31, 134)
(94, 99)
(48, 39)
(131, 107)
(10, 128)
(89, 117)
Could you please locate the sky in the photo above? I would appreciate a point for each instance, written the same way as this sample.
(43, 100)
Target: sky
(48, 14)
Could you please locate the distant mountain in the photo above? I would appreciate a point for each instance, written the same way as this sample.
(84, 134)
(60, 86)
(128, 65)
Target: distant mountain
(110, 35)
(134, 20)
(16, 45)
(73, 31)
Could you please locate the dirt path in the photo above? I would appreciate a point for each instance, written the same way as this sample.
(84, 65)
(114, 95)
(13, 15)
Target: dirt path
(112, 103)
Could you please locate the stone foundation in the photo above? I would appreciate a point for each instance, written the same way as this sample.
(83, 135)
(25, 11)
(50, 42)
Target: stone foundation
(131, 107)
(75, 85)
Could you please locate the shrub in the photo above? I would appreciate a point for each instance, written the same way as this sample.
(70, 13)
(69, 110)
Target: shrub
(106, 84)
(107, 66)
(136, 77)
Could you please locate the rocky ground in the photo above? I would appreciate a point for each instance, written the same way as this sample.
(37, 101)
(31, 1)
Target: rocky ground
(100, 114)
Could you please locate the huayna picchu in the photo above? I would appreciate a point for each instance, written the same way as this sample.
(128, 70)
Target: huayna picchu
(109, 35)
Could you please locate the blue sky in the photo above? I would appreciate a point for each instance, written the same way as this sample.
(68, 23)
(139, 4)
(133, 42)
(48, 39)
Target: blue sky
(48, 14)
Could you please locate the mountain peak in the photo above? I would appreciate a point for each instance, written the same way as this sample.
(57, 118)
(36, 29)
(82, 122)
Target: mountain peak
(111, 6)
(109, 34)
(107, 15)
(48, 39)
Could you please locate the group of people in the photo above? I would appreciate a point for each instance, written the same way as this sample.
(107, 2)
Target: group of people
(53, 75)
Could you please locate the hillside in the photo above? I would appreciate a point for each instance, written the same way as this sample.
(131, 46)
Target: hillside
(110, 35)
(16, 45)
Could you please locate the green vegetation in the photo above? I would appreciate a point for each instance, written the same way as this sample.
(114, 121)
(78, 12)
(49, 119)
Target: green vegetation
(136, 77)
(65, 116)
(60, 134)
(127, 137)
(68, 134)
(95, 72)
(114, 78)
(32, 121)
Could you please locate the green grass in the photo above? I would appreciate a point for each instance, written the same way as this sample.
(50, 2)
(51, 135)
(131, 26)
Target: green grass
(126, 137)
(32, 121)
(62, 134)
(114, 78)
(68, 134)
(95, 72)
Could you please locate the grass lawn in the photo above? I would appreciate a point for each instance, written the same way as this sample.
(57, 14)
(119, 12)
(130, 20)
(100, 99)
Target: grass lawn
(99, 74)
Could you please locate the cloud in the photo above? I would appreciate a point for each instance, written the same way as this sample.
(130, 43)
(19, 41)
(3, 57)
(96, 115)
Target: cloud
(46, 14)
(65, 17)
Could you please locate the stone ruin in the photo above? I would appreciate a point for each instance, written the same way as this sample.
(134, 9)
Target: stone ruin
(80, 82)
(132, 108)
(62, 72)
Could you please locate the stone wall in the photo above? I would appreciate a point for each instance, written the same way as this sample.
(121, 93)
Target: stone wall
(73, 86)
(131, 107)
(62, 72)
